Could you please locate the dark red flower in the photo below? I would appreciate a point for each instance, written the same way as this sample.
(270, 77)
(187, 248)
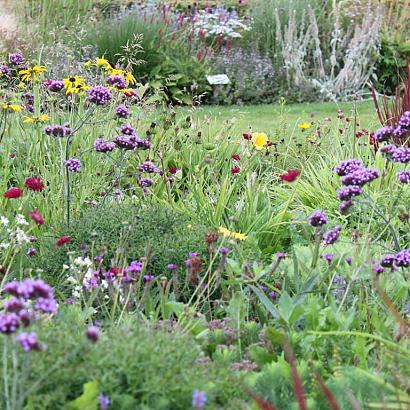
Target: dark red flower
(115, 270)
(247, 136)
(290, 176)
(359, 134)
(173, 170)
(63, 240)
(34, 184)
(13, 193)
(235, 170)
(36, 217)
(236, 157)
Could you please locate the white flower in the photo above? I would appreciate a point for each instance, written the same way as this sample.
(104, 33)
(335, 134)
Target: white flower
(82, 262)
(19, 236)
(4, 221)
(4, 245)
(21, 220)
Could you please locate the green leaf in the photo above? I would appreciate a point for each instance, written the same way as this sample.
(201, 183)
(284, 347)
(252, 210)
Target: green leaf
(266, 302)
(275, 336)
(88, 400)
(285, 306)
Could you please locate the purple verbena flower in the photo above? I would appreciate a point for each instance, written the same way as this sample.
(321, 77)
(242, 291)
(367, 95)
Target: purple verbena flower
(117, 81)
(103, 401)
(5, 70)
(403, 177)
(93, 333)
(401, 154)
(388, 261)
(46, 305)
(198, 399)
(55, 85)
(332, 235)
(149, 167)
(103, 146)
(145, 182)
(360, 177)
(99, 95)
(73, 165)
(317, 218)
(16, 59)
(404, 120)
(127, 129)
(347, 192)
(347, 166)
(14, 305)
(29, 342)
(345, 206)
(9, 323)
(121, 111)
(328, 257)
(383, 134)
(58, 130)
(403, 258)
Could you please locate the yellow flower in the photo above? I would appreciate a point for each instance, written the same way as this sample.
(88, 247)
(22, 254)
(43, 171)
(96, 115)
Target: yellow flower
(11, 107)
(35, 120)
(102, 62)
(229, 234)
(129, 77)
(304, 126)
(259, 140)
(32, 72)
(75, 84)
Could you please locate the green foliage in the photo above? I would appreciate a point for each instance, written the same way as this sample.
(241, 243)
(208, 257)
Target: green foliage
(138, 366)
(129, 232)
(392, 63)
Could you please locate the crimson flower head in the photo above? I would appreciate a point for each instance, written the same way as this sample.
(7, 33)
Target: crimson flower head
(247, 136)
(36, 217)
(34, 184)
(63, 240)
(236, 157)
(173, 170)
(290, 176)
(235, 170)
(13, 193)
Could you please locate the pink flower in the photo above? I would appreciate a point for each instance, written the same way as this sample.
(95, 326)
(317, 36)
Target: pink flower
(34, 184)
(290, 176)
(235, 170)
(36, 217)
(13, 193)
(63, 240)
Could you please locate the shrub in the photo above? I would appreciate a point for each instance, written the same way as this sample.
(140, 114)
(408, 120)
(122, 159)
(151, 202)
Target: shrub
(252, 78)
(128, 232)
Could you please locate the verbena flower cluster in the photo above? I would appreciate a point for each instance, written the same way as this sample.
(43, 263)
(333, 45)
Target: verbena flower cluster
(28, 300)
(353, 177)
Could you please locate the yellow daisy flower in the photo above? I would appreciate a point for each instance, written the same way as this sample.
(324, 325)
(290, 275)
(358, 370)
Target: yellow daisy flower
(304, 126)
(11, 107)
(36, 119)
(32, 72)
(259, 140)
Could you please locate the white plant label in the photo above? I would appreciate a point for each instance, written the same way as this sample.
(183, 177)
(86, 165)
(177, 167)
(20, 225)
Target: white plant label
(218, 79)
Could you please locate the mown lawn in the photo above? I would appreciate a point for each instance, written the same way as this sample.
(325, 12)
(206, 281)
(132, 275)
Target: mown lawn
(267, 117)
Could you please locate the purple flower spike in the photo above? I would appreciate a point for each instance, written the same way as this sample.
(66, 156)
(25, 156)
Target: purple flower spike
(317, 218)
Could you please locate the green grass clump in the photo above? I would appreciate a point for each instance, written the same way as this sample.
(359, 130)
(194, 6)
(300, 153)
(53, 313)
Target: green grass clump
(123, 233)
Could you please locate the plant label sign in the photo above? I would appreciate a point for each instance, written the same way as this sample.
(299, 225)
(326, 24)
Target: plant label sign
(218, 79)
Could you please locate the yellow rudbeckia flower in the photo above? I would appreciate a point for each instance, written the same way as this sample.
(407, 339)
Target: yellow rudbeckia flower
(32, 72)
(259, 140)
(36, 119)
(75, 84)
(229, 234)
(11, 107)
(304, 126)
